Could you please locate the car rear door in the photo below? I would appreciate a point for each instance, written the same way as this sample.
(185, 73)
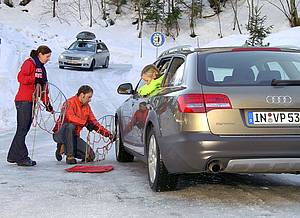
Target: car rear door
(105, 53)
(99, 55)
(240, 99)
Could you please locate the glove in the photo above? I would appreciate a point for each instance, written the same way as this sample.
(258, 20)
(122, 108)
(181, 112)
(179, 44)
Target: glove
(90, 126)
(49, 108)
(112, 137)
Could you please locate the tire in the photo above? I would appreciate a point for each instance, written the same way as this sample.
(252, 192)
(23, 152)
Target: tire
(92, 67)
(121, 154)
(158, 175)
(61, 67)
(106, 63)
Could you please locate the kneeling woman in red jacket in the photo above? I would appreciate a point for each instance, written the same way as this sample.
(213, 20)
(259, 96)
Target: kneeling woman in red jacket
(32, 73)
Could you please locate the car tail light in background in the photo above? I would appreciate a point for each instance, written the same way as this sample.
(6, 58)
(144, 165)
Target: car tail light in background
(202, 103)
(256, 49)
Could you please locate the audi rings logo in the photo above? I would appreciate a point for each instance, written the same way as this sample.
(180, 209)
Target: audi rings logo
(279, 99)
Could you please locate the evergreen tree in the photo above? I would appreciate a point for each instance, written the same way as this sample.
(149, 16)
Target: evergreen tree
(154, 12)
(195, 12)
(9, 3)
(256, 28)
(216, 5)
(140, 7)
(118, 4)
(173, 14)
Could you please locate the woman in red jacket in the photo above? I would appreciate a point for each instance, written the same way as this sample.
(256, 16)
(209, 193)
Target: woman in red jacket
(31, 75)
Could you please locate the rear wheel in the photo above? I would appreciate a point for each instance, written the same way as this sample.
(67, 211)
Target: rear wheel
(106, 63)
(121, 154)
(92, 67)
(158, 175)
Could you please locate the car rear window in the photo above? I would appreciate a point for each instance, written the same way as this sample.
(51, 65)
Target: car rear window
(249, 68)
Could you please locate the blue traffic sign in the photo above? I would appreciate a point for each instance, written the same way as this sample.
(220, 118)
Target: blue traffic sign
(157, 39)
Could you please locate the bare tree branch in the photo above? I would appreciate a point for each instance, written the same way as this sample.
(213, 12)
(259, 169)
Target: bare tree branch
(284, 12)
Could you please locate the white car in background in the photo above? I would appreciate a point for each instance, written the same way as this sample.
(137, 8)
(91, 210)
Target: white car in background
(86, 52)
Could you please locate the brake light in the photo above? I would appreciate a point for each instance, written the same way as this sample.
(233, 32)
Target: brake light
(256, 49)
(202, 103)
(191, 103)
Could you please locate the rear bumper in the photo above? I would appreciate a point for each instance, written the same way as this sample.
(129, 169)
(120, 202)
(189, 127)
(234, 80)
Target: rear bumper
(194, 152)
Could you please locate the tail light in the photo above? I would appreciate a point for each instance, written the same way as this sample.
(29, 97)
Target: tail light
(256, 49)
(202, 103)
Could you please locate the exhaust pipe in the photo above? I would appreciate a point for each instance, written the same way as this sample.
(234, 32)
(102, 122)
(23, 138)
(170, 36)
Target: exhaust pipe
(214, 167)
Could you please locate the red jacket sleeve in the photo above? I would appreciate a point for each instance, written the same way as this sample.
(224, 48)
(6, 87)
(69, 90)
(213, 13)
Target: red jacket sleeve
(99, 127)
(26, 75)
(72, 117)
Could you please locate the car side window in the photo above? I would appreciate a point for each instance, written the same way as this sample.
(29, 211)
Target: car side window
(163, 65)
(176, 80)
(103, 46)
(174, 75)
(139, 85)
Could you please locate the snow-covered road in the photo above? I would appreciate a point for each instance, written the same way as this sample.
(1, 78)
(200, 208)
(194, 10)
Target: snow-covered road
(48, 191)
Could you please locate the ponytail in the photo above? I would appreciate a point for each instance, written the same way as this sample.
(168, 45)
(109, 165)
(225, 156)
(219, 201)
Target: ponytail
(33, 53)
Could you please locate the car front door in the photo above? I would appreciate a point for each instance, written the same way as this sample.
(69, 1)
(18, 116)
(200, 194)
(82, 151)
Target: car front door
(140, 110)
(134, 128)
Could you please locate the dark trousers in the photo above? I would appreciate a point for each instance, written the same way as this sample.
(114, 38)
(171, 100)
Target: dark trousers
(74, 145)
(18, 151)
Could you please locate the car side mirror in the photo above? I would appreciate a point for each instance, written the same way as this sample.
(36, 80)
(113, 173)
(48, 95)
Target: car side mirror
(99, 50)
(125, 89)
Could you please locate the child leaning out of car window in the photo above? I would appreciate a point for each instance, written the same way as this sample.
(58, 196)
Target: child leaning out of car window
(153, 79)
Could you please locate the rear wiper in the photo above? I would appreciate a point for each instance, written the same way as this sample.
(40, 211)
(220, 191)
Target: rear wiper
(276, 82)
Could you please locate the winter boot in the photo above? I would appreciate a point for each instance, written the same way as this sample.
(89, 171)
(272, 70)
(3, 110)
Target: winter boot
(70, 159)
(27, 163)
(59, 151)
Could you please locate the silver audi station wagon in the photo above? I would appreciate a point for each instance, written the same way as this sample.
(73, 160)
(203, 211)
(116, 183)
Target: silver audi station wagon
(218, 110)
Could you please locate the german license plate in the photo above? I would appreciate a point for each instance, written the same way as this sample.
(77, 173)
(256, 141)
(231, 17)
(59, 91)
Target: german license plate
(273, 118)
(72, 62)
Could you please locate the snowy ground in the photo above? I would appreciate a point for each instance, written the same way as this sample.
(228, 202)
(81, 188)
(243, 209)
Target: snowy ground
(48, 191)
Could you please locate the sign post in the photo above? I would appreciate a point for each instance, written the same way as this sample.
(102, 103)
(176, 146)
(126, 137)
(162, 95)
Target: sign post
(157, 40)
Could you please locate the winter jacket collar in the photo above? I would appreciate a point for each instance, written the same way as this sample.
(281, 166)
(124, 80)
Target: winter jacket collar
(40, 68)
(78, 101)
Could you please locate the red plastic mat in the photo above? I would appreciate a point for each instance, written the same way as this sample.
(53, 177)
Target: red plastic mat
(90, 169)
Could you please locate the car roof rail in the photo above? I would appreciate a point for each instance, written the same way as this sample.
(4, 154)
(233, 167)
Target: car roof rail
(176, 49)
(288, 47)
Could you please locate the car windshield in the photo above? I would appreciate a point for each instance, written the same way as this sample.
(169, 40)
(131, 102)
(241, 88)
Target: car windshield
(253, 68)
(83, 46)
